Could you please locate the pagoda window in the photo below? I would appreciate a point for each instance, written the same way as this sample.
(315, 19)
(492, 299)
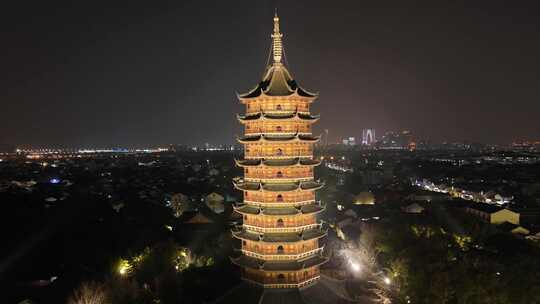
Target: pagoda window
(245, 217)
(279, 174)
(305, 274)
(278, 128)
(247, 171)
(279, 152)
(244, 243)
(281, 277)
(279, 198)
(279, 223)
(278, 107)
(280, 249)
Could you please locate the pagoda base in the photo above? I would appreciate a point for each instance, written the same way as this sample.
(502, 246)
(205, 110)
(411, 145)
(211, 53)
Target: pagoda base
(324, 291)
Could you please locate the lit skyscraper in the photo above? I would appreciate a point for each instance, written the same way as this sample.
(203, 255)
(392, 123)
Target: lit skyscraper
(368, 137)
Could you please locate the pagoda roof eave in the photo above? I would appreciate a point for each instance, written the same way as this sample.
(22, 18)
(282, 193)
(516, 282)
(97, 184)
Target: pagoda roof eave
(277, 163)
(282, 266)
(279, 211)
(305, 235)
(246, 96)
(242, 185)
(270, 138)
(296, 116)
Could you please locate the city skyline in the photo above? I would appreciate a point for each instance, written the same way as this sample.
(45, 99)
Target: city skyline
(132, 76)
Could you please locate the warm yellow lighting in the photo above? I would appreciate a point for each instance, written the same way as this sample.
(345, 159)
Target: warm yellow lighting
(124, 267)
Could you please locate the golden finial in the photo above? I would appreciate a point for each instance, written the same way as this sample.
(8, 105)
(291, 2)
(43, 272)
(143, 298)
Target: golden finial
(277, 48)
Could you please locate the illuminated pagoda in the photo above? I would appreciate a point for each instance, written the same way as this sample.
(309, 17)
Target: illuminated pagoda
(280, 232)
(281, 252)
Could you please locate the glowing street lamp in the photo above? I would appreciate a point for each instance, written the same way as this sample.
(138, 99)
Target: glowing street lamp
(387, 280)
(355, 267)
(124, 267)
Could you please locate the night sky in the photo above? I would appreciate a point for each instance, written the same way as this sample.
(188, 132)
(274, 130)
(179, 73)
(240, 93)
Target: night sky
(145, 73)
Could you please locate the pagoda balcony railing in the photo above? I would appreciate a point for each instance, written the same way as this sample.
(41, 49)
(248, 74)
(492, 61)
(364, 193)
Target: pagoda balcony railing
(281, 229)
(305, 282)
(278, 110)
(278, 257)
(274, 132)
(278, 156)
(275, 179)
(279, 204)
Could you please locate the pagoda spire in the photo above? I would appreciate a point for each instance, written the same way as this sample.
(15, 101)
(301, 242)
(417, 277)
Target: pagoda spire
(277, 45)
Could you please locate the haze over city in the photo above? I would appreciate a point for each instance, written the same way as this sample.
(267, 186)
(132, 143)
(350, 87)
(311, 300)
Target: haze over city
(86, 74)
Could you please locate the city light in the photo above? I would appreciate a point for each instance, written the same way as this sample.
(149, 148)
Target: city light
(387, 280)
(54, 181)
(355, 267)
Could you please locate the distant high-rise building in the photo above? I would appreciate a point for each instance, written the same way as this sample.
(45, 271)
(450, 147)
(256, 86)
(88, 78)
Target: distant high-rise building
(349, 141)
(368, 137)
(396, 140)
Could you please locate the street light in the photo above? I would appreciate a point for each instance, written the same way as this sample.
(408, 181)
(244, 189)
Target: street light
(387, 280)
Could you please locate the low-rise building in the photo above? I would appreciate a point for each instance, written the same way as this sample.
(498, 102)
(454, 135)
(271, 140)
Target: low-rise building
(413, 208)
(493, 214)
(215, 201)
(513, 228)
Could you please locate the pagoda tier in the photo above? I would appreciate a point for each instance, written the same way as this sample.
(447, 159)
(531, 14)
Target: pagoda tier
(277, 106)
(278, 150)
(281, 279)
(281, 252)
(273, 199)
(280, 231)
(286, 174)
(255, 128)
